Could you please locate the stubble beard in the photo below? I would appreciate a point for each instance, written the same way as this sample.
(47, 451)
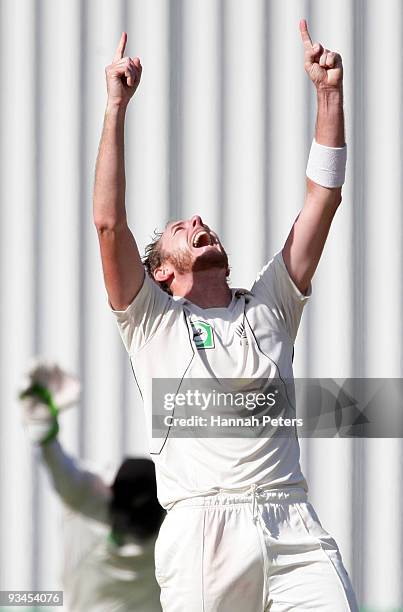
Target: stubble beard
(183, 262)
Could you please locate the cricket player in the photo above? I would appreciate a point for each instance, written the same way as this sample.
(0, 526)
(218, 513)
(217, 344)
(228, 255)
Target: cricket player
(111, 519)
(240, 534)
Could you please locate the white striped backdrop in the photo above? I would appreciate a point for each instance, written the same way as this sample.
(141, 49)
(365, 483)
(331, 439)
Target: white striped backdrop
(221, 125)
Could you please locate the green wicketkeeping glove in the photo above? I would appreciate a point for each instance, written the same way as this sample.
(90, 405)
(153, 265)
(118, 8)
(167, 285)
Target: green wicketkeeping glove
(46, 390)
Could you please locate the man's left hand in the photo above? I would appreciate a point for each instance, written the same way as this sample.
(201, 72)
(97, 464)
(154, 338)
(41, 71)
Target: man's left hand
(45, 390)
(324, 67)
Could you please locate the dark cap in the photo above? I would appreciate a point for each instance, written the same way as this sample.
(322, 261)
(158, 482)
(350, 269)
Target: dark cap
(134, 507)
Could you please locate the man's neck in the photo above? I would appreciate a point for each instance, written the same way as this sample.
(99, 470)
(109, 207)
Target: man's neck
(205, 288)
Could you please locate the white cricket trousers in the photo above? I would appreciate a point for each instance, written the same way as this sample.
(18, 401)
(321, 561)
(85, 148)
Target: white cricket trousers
(251, 552)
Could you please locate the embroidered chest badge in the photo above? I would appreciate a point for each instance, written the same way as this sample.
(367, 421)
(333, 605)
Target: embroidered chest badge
(203, 335)
(241, 332)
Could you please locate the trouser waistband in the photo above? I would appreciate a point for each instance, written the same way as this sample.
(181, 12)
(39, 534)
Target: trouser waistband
(254, 494)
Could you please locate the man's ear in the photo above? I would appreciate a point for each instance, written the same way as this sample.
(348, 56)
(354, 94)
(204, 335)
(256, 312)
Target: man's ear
(163, 274)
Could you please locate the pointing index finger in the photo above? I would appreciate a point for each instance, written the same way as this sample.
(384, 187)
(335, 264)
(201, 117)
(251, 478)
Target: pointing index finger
(306, 39)
(120, 48)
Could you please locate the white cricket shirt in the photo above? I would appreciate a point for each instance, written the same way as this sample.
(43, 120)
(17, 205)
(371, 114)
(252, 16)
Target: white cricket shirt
(252, 338)
(98, 576)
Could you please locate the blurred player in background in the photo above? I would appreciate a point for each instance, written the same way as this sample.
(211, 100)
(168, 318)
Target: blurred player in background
(111, 523)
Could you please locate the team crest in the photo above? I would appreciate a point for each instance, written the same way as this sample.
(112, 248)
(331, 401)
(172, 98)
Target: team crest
(203, 334)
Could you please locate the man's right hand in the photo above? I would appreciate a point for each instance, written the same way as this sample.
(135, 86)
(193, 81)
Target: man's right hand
(122, 75)
(121, 261)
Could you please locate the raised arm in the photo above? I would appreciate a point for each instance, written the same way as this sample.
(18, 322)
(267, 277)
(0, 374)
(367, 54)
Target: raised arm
(47, 390)
(80, 489)
(308, 234)
(121, 262)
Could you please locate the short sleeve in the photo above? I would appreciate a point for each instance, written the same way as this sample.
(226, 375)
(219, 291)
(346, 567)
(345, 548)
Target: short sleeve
(275, 287)
(143, 316)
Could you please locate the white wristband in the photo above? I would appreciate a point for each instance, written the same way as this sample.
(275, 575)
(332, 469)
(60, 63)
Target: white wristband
(327, 165)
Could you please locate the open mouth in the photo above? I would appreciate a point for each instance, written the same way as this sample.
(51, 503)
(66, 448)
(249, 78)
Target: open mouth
(202, 238)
